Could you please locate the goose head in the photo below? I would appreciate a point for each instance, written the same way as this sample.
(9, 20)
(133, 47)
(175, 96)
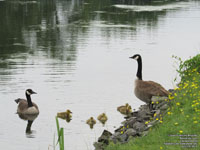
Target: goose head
(136, 57)
(68, 111)
(30, 92)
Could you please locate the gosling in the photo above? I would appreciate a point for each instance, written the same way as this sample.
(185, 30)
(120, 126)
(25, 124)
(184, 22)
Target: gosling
(102, 118)
(65, 115)
(91, 122)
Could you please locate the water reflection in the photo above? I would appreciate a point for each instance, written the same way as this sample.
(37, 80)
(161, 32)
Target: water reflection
(30, 118)
(56, 27)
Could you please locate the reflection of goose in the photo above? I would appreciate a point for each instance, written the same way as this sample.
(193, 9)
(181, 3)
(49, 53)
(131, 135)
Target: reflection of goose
(144, 90)
(125, 109)
(27, 106)
(102, 118)
(91, 122)
(65, 115)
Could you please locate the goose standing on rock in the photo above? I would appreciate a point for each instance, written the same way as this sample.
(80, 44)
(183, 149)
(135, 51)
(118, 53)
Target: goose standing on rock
(144, 90)
(27, 107)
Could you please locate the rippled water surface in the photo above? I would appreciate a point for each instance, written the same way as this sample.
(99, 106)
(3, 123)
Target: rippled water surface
(75, 55)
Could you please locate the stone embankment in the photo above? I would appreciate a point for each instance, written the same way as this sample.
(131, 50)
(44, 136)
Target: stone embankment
(136, 124)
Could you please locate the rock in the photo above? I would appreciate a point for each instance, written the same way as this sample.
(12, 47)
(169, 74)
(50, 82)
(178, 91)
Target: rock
(164, 107)
(104, 138)
(129, 122)
(139, 126)
(131, 132)
(158, 99)
(119, 137)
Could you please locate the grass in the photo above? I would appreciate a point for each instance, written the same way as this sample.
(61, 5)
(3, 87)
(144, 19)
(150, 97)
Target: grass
(60, 132)
(182, 119)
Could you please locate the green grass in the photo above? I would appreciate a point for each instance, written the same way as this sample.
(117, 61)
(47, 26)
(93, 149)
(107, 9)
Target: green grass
(60, 132)
(182, 118)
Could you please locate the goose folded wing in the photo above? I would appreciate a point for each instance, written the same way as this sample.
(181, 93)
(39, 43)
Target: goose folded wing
(154, 89)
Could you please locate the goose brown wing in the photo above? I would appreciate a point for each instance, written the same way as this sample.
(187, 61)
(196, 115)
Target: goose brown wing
(154, 89)
(23, 105)
(35, 105)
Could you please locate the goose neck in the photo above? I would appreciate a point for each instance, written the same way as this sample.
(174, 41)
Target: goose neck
(139, 71)
(30, 104)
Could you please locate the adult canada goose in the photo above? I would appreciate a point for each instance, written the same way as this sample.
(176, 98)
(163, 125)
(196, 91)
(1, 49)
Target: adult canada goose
(144, 90)
(125, 109)
(91, 122)
(102, 118)
(65, 115)
(27, 107)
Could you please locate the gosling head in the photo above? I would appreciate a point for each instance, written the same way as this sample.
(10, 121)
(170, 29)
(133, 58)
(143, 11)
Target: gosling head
(68, 111)
(136, 57)
(30, 91)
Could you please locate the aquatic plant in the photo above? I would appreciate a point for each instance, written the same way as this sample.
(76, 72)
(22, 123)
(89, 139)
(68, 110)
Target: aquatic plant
(60, 132)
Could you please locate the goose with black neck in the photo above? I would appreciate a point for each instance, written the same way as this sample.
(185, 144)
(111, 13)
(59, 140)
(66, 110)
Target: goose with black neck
(26, 106)
(144, 90)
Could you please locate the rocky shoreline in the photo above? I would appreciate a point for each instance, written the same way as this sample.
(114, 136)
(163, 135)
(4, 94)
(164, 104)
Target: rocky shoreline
(137, 124)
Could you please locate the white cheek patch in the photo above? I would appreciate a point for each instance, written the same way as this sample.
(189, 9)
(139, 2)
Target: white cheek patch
(136, 58)
(27, 92)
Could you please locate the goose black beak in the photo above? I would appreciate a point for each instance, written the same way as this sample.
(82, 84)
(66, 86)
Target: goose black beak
(33, 92)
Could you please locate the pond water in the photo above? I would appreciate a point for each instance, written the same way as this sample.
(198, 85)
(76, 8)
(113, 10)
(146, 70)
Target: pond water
(75, 55)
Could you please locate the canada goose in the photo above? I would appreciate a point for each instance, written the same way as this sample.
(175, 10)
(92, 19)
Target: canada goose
(102, 118)
(27, 107)
(125, 109)
(144, 90)
(65, 115)
(91, 122)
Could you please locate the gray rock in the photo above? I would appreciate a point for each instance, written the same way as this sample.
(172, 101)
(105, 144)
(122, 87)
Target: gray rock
(164, 107)
(129, 122)
(131, 132)
(105, 137)
(158, 99)
(119, 137)
(139, 126)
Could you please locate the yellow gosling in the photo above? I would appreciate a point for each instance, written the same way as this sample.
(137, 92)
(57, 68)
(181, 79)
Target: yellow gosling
(125, 109)
(65, 115)
(102, 118)
(91, 122)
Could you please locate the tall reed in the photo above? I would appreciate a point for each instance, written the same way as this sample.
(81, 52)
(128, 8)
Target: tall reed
(60, 132)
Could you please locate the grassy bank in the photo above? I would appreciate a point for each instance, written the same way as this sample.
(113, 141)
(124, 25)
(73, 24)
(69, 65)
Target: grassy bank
(180, 127)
